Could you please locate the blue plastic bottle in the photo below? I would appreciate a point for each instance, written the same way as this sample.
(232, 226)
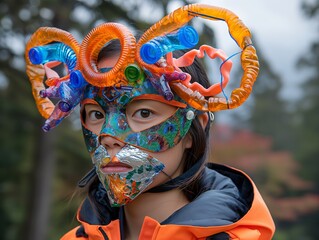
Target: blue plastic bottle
(69, 92)
(185, 38)
(53, 52)
(55, 118)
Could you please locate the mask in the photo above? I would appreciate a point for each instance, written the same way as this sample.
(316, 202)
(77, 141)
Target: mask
(155, 139)
(123, 187)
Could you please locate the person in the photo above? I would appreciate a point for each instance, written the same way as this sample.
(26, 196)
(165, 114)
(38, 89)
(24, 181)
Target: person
(152, 178)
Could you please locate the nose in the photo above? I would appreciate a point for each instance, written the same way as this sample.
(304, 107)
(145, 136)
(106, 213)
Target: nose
(111, 144)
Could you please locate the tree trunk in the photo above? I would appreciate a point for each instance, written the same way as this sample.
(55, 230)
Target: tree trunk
(41, 187)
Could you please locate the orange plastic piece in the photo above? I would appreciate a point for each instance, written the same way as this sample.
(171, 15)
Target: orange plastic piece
(189, 57)
(238, 96)
(239, 33)
(36, 73)
(92, 45)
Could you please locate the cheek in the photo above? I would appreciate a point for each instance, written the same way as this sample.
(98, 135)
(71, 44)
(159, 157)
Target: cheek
(95, 128)
(172, 159)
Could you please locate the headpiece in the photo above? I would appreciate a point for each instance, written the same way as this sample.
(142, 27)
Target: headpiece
(152, 55)
(146, 69)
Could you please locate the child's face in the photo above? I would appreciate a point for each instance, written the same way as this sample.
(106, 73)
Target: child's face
(141, 115)
(155, 127)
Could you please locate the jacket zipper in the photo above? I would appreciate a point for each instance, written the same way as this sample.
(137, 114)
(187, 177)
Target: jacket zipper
(103, 233)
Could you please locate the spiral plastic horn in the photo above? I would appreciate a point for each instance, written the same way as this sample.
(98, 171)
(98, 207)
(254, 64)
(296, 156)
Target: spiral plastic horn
(35, 72)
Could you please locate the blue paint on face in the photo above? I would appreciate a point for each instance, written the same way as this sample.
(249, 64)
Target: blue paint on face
(114, 102)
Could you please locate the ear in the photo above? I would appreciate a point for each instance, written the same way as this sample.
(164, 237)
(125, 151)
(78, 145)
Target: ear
(188, 142)
(203, 119)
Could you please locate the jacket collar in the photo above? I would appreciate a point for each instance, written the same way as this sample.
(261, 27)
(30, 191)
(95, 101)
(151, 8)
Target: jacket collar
(231, 204)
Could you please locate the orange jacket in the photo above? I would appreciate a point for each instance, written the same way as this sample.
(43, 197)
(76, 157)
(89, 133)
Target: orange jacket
(213, 212)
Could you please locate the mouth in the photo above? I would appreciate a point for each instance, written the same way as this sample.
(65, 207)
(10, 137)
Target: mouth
(115, 167)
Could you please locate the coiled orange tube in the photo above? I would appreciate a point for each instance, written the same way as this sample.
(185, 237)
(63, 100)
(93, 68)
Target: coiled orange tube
(36, 73)
(238, 96)
(239, 33)
(92, 45)
(188, 58)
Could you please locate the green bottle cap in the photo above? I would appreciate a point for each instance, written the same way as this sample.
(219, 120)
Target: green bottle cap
(132, 73)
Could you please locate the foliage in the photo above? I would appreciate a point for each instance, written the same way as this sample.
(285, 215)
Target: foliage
(287, 195)
(307, 152)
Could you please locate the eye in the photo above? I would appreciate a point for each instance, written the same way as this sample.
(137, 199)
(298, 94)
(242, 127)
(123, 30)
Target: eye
(143, 113)
(95, 115)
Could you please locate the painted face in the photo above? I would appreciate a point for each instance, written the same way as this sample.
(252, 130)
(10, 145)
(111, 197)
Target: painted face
(120, 107)
(143, 123)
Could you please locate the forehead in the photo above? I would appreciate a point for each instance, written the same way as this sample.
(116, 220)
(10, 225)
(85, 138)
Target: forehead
(144, 85)
(121, 95)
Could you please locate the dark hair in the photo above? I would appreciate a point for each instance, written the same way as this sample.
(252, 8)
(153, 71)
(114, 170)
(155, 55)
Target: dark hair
(194, 186)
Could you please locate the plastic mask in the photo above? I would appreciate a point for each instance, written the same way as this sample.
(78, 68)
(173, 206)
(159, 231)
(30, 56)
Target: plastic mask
(123, 187)
(114, 102)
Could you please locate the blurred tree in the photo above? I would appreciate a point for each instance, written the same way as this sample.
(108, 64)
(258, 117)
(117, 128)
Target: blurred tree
(266, 110)
(270, 112)
(274, 172)
(290, 198)
(28, 157)
(271, 116)
(307, 151)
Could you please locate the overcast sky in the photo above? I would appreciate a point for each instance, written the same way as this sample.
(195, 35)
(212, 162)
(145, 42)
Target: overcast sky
(282, 32)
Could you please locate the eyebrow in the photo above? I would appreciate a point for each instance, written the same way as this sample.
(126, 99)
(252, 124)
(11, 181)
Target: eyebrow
(159, 98)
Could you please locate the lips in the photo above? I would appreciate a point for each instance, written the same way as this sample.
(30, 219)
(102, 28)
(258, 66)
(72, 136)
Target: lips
(115, 167)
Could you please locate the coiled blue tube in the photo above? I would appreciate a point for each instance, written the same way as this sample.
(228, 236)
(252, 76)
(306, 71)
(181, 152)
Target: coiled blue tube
(53, 52)
(185, 38)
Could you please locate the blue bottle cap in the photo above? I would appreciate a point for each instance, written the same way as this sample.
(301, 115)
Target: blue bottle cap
(36, 55)
(151, 52)
(77, 80)
(188, 36)
(46, 127)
